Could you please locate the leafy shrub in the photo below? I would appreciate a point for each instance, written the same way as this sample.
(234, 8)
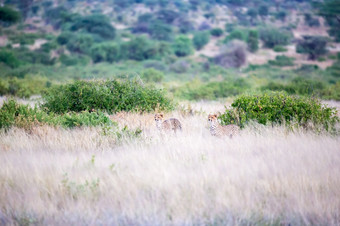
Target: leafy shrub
(282, 61)
(70, 60)
(105, 52)
(64, 38)
(8, 58)
(152, 75)
(314, 46)
(239, 34)
(23, 116)
(200, 39)
(182, 46)
(24, 87)
(180, 66)
(24, 38)
(160, 31)
(280, 108)
(8, 15)
(196, 90)
(301, 86)
(281, 15)
(217, 32)
(279, 48)
(112, 96)
(272, 37)
(311, 21)
(234, 55)
(96, 24)
(158, 65)
(253, 41)
(80, 43)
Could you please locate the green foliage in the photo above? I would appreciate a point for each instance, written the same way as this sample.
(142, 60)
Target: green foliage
(74, 59)
(160, 31)
(64, 37)
(240, 34)
(182, 46)
(9, 59)
(96, 24)
(217, 32)
(263, 10)
(24, 38)
(152, 75)
(80, 43)
(112, 96)
(281, 15)
(330, 10)
(8, 15)
(314, 46)
(280, 108)
(24, 87)
(306, 87)
(253, 41)
(282, 61)
(23, 116)
(272, 37)
(232, 56)
(201, 39)
(279, 48)
(196, 90)
(105, 52)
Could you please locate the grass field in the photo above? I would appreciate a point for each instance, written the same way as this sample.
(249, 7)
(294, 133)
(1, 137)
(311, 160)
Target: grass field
(265, 176)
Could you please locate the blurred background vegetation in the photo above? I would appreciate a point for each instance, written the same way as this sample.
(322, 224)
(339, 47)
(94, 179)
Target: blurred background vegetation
(196, 49)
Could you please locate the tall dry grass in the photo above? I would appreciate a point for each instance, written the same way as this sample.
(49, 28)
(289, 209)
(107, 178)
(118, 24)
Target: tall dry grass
(82, 177)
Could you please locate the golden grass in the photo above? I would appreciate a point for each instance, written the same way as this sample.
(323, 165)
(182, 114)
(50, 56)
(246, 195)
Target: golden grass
(81, 177)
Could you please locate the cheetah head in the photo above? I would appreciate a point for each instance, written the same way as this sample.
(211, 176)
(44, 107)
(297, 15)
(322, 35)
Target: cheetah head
(159, 118)
(212, 119)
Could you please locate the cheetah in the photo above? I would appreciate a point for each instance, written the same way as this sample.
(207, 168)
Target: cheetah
(169, 124)
(218, 130)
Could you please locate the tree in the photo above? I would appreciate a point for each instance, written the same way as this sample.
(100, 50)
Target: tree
(263, 11)
(253, 14)
(272, 37)
(182, 46)
(281, 15)
(253, 41)
(160, 31)
(9, 16)
(330, 10)
(314, 46)
(217, 32)
(201, 39)
(233, 55)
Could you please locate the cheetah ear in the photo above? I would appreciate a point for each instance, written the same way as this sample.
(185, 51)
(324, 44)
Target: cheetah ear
(215, 115)
(161, 114)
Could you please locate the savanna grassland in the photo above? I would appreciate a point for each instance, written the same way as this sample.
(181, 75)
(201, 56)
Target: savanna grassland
(81, 81)
(266, 175)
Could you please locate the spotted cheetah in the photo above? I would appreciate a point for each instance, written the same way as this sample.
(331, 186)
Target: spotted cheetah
(218, 130)
(169, 124)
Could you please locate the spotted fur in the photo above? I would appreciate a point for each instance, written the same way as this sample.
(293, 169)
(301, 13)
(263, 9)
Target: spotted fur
(169, 124)
(218, 130)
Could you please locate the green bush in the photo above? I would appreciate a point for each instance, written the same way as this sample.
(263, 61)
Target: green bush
(105, 52)
(201, 39)
(8, 58)
(282, 61)
(253, 41)
(24, 87)
(314, 46)
(23, 116)
(239, 34)
(217, 32)
(280, 108)
(74, 59)
(111, 96)
(196, 90)
(152, 75)
(279, 48)
(80, 43)
(272, 37)
(182, 46)
(9, 15)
